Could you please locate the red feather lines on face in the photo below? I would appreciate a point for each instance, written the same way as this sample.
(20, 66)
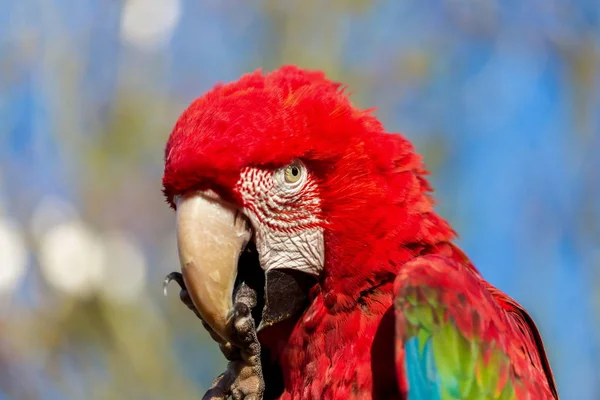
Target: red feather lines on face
(284, 212)
(373, 193)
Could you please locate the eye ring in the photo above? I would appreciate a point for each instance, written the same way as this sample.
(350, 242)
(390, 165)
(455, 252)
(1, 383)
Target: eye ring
(292, 173)
(292, 176)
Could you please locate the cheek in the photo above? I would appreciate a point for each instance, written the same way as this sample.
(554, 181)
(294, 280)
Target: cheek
(287, 225)
(255, 187)
(300, 250)
(280, 209)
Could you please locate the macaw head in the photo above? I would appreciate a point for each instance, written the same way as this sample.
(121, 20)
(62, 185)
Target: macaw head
(279, 175)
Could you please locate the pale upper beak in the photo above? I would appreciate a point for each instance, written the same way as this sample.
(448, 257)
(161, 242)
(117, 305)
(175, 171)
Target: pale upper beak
(210, 237)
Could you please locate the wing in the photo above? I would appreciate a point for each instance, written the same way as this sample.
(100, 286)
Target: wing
(459, 338)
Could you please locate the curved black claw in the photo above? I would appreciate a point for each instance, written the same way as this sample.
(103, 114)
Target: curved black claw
(184, 295)
(174, 276)
(185, 298)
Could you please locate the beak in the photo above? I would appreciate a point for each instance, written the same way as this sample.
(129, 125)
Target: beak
(210, 239)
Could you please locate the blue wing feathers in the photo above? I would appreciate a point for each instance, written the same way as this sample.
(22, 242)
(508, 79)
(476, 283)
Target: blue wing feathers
(421, 371)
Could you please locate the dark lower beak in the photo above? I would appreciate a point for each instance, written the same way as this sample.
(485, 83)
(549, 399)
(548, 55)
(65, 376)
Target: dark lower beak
(286, 294)
(281, 293)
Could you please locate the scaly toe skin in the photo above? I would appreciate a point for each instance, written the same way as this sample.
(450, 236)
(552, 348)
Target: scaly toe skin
(243, 379)
(243, 324)
(249, 382)
(231, 352)
(221, 387)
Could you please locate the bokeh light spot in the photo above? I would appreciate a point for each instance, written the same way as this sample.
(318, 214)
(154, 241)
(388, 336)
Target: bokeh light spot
(149, 24)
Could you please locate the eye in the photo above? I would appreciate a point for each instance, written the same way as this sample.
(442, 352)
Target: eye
(291, 177)
(293, 173)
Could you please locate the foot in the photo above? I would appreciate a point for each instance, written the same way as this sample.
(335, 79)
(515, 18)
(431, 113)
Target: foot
(243, 378)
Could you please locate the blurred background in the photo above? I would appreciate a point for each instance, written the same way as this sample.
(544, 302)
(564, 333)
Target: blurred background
(501, 97)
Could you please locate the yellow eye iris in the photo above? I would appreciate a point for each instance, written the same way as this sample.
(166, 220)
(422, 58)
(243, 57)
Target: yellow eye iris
(293, 173)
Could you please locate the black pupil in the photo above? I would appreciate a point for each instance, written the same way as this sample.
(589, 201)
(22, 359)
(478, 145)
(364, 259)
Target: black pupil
(295, 171)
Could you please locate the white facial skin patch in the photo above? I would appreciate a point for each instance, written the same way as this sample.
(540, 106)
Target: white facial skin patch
(284, 208)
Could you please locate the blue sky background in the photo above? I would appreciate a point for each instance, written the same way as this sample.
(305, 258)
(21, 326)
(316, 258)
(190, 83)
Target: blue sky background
(501, 97)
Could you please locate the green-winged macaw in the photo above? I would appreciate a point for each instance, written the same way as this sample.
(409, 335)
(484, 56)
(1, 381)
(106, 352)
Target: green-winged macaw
(285, 189)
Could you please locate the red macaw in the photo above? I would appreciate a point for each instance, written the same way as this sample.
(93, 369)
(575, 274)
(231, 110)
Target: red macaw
(283, 188)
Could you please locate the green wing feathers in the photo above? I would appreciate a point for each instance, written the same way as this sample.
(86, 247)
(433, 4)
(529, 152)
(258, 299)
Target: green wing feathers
(455, 341)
